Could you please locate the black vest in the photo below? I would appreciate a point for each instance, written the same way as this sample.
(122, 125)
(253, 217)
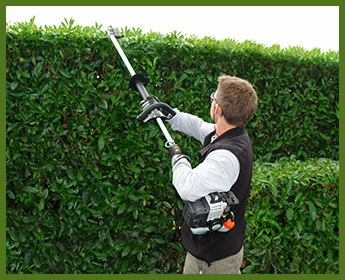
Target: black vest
(218, 245)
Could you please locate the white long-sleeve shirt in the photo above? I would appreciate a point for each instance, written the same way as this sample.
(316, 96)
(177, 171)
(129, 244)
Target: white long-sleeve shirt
(217, 173)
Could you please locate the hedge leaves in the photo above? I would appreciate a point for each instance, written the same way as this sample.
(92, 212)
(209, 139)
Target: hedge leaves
(88, 187)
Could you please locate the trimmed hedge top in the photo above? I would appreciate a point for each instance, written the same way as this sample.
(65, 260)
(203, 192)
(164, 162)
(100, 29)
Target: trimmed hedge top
(298, 90)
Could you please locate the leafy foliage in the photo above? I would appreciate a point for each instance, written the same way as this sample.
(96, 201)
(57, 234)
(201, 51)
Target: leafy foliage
(88, 187)
(293, 218)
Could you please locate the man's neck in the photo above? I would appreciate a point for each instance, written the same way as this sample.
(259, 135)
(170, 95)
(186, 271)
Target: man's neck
(222, 126)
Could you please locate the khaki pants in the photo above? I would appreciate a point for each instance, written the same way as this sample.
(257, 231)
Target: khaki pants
(229, 265)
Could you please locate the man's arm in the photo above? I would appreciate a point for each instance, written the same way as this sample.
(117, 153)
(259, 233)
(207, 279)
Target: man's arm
(191, 125)
(217, 173)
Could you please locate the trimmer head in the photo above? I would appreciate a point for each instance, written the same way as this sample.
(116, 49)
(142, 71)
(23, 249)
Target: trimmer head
(114, 31)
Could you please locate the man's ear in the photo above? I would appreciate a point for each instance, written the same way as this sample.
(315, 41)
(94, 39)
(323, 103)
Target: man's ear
(219, 110)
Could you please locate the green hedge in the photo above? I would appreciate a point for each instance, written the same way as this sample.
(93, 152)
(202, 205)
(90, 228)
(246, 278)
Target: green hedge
(298, 90)
(88, 187)
(293, 225)
(293, 217)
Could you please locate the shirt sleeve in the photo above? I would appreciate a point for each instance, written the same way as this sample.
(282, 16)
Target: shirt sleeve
(217, 173)
(191, 125)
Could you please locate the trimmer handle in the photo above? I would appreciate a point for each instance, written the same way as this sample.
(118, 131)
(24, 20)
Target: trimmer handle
(153, 108)
(176, 154)
(175, 150)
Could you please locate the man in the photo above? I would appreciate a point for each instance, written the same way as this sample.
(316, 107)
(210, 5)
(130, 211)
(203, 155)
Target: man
(225, 163)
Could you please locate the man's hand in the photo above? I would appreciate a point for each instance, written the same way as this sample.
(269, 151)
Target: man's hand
(176, 154)
(176, 158)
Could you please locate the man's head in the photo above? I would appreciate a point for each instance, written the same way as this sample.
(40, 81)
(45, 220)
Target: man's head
(237, 99)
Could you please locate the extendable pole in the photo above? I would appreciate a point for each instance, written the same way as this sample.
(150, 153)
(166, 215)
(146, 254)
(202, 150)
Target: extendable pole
(170, 141)
(140, 86)
(122, 54)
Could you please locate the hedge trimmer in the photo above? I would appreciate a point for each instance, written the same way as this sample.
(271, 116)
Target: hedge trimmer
(152, 107)
(209, 213)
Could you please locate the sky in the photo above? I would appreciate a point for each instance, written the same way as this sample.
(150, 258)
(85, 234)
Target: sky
(305, 26)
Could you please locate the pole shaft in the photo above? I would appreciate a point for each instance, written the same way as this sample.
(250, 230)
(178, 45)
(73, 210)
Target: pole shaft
(141, 88)
(122, 54)
(165, 131)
